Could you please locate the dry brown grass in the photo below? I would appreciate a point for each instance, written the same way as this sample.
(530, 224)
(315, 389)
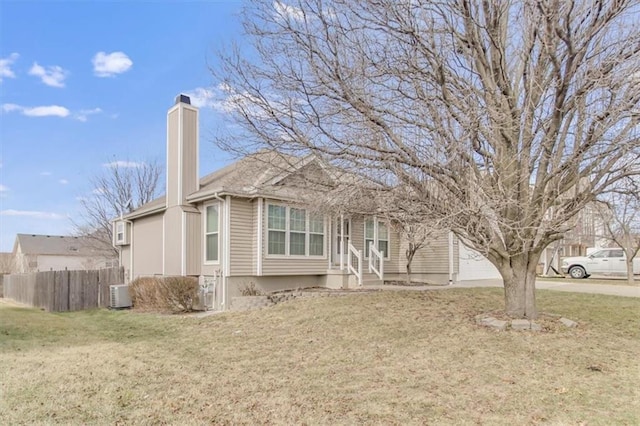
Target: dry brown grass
(383, 358)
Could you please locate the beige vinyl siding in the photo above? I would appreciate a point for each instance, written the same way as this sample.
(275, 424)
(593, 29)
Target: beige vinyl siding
(433, 258)
(194, 243)
(254, 234)
(393, 264)
(242, 237)
(173, 223)
(190, 151)
(173, 154)
(147, 247)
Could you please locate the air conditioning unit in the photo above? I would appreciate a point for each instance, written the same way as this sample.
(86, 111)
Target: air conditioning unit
(119, 296)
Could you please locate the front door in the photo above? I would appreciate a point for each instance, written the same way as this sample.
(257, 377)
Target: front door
(341, 235)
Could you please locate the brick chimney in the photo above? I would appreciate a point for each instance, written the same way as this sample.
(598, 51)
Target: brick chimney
(182, 151)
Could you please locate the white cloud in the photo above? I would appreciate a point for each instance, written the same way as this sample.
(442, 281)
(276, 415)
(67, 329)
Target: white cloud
(5, 66)
(110, 64)
(83, 113)
(33, 214)
(11, 107)
(46, 111)
(201, 97)
(123, 164)
(63, 181)
(45, 173)
(287, 11)
(3, 189)
(39, 111)
(49, 111)
(53, 76)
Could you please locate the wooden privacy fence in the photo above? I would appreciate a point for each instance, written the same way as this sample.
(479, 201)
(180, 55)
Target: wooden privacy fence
(61, 291)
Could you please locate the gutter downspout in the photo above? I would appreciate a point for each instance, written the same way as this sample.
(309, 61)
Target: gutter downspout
(223, 273)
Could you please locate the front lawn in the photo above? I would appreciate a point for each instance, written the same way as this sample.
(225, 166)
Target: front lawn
(384, 358)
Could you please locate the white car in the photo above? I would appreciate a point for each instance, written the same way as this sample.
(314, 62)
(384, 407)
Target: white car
(610, 261)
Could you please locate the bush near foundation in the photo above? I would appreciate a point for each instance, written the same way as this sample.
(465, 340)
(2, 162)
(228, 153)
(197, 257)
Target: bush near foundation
(168, 294)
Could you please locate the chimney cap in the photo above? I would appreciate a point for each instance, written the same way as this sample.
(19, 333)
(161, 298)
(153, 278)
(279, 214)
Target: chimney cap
(183, 99)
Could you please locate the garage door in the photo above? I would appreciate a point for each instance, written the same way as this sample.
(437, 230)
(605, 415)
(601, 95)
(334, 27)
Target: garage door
(474, 266)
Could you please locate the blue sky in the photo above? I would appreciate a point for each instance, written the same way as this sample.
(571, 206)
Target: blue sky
(83, 84)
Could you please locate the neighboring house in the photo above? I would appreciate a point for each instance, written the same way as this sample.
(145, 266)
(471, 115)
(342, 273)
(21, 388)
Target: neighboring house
(6, 263)
(245, 224)
(36, 253)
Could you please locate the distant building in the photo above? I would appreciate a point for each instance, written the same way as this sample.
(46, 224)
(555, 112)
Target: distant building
(36, 253)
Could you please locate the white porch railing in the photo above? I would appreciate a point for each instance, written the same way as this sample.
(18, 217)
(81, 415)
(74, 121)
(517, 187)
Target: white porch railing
(354, 256)
(376, 261)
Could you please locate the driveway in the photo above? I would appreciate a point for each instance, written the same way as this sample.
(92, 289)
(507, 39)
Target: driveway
(541, 284)
(614, 290)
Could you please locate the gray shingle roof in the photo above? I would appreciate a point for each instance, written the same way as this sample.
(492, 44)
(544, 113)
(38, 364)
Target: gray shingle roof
(250, 176)
(59, 245)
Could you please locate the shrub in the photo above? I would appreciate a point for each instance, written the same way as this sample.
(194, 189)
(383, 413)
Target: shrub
(179, 294)
(250, 290)
(144, 293)
(168, 294)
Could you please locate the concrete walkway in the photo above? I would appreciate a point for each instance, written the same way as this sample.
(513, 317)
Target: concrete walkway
(541, 284)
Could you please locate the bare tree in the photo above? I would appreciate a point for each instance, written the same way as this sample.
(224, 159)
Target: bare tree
(504, 117)
(619, 212)
(119, 189)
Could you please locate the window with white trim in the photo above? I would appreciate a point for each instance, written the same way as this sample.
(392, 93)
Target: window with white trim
(120, 232)
(212, 233)
(316, 235)
(376, 232)
(276, 229)
(293, 231)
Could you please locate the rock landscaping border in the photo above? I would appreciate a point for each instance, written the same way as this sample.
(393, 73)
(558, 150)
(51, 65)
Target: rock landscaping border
(486, 320)
(245, 303)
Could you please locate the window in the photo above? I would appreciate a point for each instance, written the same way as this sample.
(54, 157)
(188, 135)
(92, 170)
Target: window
(383, 239)
(615, 253)
(316, 235)
(277, 228)
(120, 233)
(212, 233)
(376, 232)
(293, 231)
(369, 235)
(298, 232)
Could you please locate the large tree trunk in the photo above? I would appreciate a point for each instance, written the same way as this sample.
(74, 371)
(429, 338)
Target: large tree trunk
(519, 276)
(630, 277)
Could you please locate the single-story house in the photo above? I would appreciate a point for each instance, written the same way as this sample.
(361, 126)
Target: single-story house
(244, 225)
(37, 253)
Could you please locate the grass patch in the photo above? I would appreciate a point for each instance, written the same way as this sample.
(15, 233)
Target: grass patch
(384, 358)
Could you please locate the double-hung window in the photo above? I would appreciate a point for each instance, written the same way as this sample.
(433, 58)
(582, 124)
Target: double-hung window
(376, 232)
(277, 229)
(297, 232)
(294, 231)
(212, 233)
(316, 235)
